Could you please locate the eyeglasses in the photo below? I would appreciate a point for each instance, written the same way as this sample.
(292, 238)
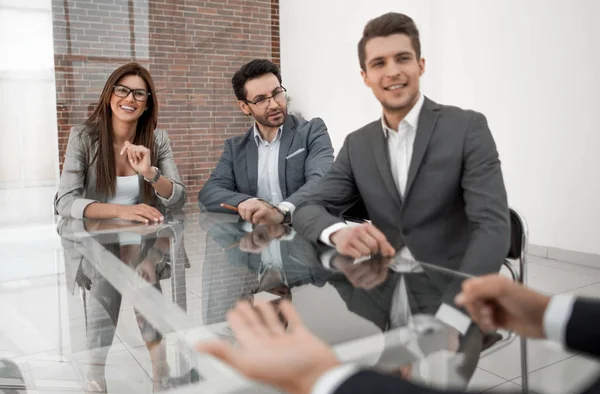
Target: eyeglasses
(263, 102)
(123, 91)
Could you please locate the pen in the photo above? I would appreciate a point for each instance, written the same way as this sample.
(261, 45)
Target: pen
(230, 207)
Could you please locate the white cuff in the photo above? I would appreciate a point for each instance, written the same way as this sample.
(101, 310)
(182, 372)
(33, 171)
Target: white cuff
(247, 227)
(324, 237)
(290, 236)
(453, 317)
(326, 258)
(332, 379)
(291, 207)
(557, 316)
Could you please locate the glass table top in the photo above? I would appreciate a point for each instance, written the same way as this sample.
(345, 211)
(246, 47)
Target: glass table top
(113, 306)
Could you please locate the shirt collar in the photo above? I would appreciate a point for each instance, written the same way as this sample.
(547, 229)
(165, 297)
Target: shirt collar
(411, 118)
(258, 138)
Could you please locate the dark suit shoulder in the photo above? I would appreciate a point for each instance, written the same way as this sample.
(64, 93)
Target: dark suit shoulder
(308, 125)
(367, 130)
(457, 114)
(239, 140)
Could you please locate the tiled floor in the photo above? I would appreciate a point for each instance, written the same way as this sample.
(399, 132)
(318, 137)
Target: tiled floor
(552, 370)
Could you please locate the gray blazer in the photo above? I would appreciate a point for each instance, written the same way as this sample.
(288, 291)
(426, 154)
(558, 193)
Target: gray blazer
(77, 189)
(454, 212)
(305, 154)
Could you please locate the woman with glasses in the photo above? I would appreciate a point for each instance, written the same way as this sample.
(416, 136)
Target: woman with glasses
(117, 165)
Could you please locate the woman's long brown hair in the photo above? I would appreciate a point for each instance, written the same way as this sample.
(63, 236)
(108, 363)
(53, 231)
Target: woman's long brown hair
(99, 126)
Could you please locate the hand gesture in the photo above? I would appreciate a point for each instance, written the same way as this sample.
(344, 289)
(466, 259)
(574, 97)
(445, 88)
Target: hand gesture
(139, 158)
(292, 360)
(494, 301)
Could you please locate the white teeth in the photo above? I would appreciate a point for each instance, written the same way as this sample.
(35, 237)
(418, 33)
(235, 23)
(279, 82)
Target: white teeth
(127, 108)
(393, 87)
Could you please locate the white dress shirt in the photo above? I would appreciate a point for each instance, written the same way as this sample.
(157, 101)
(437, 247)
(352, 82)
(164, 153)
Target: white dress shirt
(270, 257)
(556, 317)
(267, 187)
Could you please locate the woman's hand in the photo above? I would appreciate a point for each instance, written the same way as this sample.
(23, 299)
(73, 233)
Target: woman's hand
(139, 213)
(139, 157)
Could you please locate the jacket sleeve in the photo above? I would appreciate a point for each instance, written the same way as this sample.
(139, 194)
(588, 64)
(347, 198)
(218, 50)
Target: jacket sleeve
(69, 201)
(166, 164)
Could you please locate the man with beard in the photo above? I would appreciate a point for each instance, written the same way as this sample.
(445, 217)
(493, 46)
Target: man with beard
(268, 171)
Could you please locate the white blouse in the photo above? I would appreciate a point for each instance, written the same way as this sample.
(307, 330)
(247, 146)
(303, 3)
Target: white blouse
(127, 191)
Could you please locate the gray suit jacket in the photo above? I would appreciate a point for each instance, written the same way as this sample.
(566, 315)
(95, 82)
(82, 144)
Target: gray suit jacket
(235, 177)
(77, 187)
(454, 212)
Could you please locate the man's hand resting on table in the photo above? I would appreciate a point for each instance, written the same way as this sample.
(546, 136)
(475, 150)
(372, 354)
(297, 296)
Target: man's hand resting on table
(360, 241)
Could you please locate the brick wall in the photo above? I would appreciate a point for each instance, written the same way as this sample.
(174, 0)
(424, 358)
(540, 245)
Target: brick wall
(191, 47)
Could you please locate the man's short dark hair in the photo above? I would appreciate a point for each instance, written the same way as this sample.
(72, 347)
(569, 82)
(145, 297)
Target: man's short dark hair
(256, 68)
(386, 25)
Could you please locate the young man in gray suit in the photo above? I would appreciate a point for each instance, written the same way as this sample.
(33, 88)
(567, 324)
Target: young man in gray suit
(428, 174)
(267, 172)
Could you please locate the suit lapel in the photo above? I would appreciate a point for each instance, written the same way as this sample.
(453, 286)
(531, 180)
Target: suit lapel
(382, 159)
(252, 161)
(427, 121)
(287, 136)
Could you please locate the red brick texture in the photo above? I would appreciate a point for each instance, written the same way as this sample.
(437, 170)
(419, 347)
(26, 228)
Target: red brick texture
(192, 48)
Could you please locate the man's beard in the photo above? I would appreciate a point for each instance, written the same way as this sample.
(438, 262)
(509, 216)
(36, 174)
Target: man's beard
(265, 121)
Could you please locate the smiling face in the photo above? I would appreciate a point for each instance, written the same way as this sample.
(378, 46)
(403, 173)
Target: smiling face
(128, 109)
(392, 71)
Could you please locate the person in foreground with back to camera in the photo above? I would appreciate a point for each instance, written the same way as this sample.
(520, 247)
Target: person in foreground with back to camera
(117, 164)
(300, 363)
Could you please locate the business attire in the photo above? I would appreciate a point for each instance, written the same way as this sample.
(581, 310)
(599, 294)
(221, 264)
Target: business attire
(434, 187)
(568, 320)
(77, 187)
(230, 274)
(280, 172)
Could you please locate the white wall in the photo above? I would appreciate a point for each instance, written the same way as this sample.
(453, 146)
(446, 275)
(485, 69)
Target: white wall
(530, 66)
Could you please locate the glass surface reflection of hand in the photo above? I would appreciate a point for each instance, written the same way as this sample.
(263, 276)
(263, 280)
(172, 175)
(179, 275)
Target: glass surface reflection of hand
(261, 237)
(364, 275)
(93, 225)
